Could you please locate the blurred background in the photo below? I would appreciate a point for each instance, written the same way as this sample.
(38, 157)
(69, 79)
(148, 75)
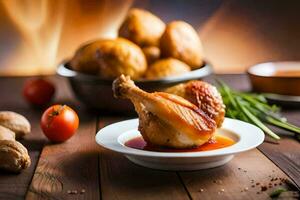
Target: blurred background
(35, 35)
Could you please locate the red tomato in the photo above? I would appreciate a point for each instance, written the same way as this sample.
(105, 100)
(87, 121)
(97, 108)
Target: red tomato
(38, 91)
(59, 123)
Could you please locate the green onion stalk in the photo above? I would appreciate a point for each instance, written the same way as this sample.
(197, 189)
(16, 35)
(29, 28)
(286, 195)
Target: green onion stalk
(254, 108)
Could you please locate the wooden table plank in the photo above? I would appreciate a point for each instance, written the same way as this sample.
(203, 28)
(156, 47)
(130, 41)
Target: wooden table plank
(14, 186)
(235, 178)
(72, 165)
(76, 166)
(34, 143)
(121, 179)
(286, 154)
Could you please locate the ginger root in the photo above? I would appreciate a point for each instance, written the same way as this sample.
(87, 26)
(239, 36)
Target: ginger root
(13, 155)
(6, 134)
(15, 122)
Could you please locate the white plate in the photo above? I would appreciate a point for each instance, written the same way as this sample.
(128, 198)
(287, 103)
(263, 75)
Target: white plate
(246, 136)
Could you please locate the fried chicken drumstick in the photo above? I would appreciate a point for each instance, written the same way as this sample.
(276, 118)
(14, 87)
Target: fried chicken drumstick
(166, 119)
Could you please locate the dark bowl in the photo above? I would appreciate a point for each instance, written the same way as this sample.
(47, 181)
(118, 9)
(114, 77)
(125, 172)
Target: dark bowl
(96, 93)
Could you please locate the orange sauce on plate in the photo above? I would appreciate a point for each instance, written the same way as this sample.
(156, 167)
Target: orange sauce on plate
(216, 142)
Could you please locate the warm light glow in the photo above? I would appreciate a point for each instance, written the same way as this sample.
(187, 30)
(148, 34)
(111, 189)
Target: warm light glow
(233, 41)
(48, 31)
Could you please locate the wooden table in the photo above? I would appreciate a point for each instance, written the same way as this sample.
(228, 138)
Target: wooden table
(95, 173)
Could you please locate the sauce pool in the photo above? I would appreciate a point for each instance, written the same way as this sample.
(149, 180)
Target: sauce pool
(287, 73)
(216, 142)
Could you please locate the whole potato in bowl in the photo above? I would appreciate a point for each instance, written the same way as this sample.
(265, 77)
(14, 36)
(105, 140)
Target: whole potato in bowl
(96, 93)
(166, 67)
(142, 27)
(120, 56)
(152, 53)
(85, 60)
(181, 41)
(109, 58)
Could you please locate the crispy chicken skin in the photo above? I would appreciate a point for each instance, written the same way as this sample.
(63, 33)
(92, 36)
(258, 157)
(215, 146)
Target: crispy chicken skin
(205, 96)
(166, 119)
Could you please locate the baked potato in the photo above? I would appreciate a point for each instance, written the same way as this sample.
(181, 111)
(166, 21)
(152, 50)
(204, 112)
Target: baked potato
(120, 56)
(181, 41)
(110, 58)
(85, 60)
(152, 53)
(142, 28)
(166, 67)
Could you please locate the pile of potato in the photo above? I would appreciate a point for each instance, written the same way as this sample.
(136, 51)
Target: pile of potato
(146, 48)
(13, 155)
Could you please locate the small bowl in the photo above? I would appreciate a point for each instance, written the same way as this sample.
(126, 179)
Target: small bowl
(276, 77)
(96, 93)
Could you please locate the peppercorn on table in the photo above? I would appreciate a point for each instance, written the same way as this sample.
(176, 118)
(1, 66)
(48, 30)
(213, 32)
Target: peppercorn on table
(80, 169)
